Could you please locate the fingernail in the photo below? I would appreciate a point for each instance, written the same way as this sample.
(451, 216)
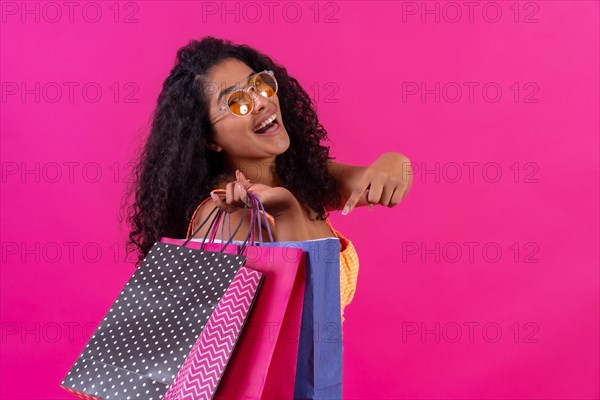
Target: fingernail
(346, 210)
(213, 195)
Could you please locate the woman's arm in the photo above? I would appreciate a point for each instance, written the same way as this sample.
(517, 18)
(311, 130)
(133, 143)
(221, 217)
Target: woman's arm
(280, 203)
(386, 181)
(347, 178)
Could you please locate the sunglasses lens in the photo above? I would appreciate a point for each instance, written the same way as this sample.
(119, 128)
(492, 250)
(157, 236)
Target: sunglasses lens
(266, 85)
(240, 103)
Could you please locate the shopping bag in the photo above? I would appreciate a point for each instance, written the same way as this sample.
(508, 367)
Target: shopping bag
(140, 345)
(319, 363)
(263, 364)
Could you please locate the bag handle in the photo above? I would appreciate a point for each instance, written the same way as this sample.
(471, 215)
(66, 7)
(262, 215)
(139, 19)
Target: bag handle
(266, 221)
(228, 217)
(217, 216)
(257, 204)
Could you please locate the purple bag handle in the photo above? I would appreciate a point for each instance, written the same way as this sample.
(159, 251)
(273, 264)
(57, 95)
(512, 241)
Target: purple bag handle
(266, 222)
(213, 232)
(217, 217)
(228, 217)
(256, 205)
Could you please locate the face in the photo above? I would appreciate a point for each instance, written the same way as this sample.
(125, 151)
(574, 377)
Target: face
(235, 135)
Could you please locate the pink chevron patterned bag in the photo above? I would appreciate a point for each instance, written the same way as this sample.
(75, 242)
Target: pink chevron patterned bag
(202, 370)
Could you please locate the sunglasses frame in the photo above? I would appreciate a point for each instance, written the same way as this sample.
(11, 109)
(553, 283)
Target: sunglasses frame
(246, 89)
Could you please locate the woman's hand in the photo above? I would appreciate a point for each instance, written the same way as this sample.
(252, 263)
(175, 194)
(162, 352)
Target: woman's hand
(278, 201)
(275, 200)
(387, 181)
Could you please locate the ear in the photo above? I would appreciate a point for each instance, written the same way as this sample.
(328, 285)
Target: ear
(214, 147)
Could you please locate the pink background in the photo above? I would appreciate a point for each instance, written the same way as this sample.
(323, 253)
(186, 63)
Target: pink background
(534, 309)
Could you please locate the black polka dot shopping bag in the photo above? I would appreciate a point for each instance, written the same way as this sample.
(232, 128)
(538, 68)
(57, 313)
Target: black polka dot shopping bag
(173, 327)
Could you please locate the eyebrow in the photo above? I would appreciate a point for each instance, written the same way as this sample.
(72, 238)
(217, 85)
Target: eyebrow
(230, 88)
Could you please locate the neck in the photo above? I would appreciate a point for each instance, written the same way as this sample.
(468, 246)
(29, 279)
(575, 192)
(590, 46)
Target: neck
(258, 171)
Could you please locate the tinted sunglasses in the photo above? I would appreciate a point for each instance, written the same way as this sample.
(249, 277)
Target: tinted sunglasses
(240, 102)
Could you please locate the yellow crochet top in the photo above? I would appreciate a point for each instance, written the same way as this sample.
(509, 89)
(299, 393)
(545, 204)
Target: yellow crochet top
(348, 258)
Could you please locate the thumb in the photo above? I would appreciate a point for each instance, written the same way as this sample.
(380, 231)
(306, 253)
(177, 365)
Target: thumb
(242, 179)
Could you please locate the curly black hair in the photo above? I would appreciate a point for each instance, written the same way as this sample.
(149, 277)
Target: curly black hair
(176, 169)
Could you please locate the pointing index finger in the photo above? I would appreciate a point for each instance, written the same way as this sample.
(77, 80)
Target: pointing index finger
(355, 197)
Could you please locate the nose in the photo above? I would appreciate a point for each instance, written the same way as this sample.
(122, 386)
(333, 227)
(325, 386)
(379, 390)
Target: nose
(260, 101)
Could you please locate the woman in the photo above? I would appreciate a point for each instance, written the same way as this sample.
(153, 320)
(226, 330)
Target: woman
(229, 118)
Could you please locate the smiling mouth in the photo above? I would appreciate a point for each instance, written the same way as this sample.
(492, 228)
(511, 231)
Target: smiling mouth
(273, 126)
(269, 125)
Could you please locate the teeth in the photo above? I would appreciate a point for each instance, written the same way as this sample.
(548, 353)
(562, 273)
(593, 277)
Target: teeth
(267, 122)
